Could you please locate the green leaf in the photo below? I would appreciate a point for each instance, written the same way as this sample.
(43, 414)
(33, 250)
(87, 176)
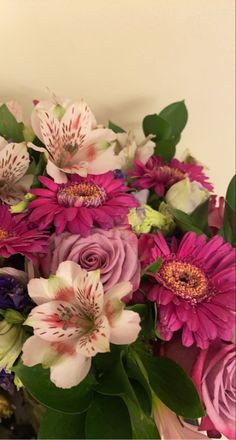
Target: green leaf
(10, 129)
(143, 391)
(166, 149)
(57, 425)
(176, 115)
(185, 222)
(143, 426)
(155, 125)
(200, 217)
(228, 232)
(37, 381)
(115, 382)
(107, 418)
(154, 267)
(115, 127)
(231, 194)
(171, 384)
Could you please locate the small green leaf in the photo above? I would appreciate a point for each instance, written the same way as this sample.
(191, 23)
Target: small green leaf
(166, 149)
(115, 127)
(185, 222)
(57, 425)
(228, 232)
(107, 418)
(154, 267)
(37, 381)
(143, 426)
(134, 373)
(200, 217)
(171, 384)
(231, 194)
(155, 125)
(10, 129)
(177, 115)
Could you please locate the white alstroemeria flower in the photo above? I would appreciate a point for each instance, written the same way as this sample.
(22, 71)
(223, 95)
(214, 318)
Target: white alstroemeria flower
(128, 150)
(75, 320)
(73, 141)
(172, 427)
(186, 195)
(14, 162)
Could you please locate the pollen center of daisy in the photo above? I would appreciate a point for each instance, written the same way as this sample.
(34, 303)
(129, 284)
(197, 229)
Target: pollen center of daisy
(185, 280)
(86, 194)
(172, 175)
(3, 234)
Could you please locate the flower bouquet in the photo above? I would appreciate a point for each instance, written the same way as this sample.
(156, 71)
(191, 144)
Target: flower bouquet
(116, 280)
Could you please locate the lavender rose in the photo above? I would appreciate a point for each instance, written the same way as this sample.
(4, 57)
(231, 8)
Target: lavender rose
(214, 375)
(114, 252)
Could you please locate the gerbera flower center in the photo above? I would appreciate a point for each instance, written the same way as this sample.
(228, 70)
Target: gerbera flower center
(170, 175)
(3, 234)
(86, 194)
(185, 280)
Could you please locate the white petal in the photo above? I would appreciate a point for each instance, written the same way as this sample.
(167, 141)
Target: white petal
(96, 340)
(125, 328)
(56, 321)
(76, 123)
(38, 290)
(36, 351)
(70, 371)
(49, 126)
(3, 142)
(118, 291)
(69, 271)
(14, 162)
(56, 173)
(89, 293)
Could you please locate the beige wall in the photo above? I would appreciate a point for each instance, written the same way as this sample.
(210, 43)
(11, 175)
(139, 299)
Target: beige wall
(128, 58)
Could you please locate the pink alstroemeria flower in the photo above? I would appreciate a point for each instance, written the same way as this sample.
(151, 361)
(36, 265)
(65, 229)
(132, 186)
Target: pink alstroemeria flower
(170, 426)
(14, 162)
(72, 139)
(74, 321)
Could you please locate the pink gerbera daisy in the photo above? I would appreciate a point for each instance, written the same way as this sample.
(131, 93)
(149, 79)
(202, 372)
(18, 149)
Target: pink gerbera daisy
(81, 203)
(160, 176)
(194, 288)
(18, 237)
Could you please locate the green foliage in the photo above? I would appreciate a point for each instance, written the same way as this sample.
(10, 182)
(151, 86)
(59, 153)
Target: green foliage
(115, 382)
(185, 221)
(37, 381)
(200, 217)
(115, 127)
(107, 418)
(228, 231)
(154, 267)
(177, 115)
(171, 384)
(57, 425)
(166, 128)
(10, 129)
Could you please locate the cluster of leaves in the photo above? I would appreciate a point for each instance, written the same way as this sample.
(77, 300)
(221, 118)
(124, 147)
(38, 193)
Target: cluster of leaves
(115, 399)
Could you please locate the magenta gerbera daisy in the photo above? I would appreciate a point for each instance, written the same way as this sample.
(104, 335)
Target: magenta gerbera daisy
(194, 288)
(99, 200)
(160, 176)
(17, 236)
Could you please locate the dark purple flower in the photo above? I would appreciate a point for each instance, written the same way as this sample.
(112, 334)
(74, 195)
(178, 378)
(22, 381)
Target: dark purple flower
(13, 291)
(7, 381)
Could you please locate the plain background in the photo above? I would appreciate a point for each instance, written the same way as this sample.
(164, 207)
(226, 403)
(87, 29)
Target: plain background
(128, 58)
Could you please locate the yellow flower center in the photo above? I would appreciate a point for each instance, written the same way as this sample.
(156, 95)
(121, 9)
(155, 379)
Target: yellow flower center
(185, 280)
(3, 234)
(81, 194)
